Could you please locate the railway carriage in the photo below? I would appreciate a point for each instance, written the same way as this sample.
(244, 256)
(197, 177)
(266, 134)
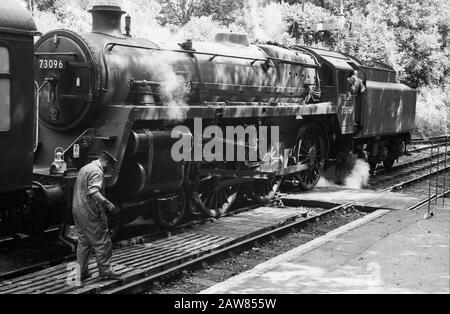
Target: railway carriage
(17, 115)
(106, 90)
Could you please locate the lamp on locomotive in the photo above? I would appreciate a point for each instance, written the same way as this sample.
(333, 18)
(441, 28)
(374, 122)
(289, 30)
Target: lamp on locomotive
(59, 166)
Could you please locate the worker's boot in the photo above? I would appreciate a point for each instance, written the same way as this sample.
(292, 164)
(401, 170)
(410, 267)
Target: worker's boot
(85, 276)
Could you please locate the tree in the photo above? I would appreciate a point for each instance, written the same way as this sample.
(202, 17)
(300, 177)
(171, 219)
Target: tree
(178, 12)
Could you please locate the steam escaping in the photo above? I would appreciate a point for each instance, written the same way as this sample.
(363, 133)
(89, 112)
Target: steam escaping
(174, 88)
(356, 178)
(359, 177)
(173, 93)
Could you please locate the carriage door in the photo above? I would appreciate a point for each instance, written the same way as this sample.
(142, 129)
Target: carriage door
(346, 102)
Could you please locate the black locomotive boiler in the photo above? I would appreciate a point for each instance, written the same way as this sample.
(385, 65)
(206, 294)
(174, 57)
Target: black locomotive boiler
(106, 90)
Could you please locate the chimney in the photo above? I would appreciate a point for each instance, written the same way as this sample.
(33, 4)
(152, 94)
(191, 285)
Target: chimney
(107, 19)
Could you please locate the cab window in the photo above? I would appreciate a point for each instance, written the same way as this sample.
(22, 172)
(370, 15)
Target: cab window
(5, 90)
(343, 77)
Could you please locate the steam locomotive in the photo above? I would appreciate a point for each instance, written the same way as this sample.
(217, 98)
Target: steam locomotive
(107, 91)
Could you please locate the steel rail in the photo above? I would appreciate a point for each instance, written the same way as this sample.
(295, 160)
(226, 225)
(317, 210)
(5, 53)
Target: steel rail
(420, 149)
(418, 179)
(429, 199)
(411, 163)
(430, 139)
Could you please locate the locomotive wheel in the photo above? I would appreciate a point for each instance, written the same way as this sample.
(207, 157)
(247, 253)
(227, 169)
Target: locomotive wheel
(168, 217)
(264, 191)
(216, 201)
(310, 151)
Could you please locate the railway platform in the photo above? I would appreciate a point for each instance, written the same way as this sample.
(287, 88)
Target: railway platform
(385, 252)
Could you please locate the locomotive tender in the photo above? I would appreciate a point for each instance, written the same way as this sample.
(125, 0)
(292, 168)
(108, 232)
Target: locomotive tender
(104, 90)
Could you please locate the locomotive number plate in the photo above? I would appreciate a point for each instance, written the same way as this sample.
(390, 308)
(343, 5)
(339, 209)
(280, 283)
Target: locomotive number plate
(51, 64)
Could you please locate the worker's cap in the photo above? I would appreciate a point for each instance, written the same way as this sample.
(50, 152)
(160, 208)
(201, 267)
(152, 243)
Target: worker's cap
(107, 156)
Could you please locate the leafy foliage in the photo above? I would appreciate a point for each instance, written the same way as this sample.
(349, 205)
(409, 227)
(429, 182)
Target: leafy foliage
(180, 12)
(433, 111)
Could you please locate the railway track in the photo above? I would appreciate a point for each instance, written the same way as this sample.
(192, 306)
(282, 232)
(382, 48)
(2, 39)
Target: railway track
(427, 161)
(439, 161)
(152, 236)
(427, 148)
(417, 179)
(435, 139)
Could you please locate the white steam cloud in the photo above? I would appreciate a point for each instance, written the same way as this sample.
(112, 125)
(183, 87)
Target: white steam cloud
(173, 87)
(357, 178)
(173, 94)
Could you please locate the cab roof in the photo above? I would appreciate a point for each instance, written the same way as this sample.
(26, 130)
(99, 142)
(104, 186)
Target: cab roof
(15, 18)
(337, 59)
(342, 61)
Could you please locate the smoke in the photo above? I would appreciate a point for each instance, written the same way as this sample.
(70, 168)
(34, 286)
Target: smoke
(266, 21)
(359, 177)
(173, 91)
(356, 178)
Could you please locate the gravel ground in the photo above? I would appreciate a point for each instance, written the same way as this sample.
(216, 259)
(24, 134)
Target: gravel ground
(197, 280)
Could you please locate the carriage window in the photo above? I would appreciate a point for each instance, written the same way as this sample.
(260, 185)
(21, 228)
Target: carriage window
(4, 60)
(5, 90)
(327, 75)
(5, 113)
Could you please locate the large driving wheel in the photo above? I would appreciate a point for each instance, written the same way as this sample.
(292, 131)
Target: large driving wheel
(215, 201)
(309, 151)
(170, 214)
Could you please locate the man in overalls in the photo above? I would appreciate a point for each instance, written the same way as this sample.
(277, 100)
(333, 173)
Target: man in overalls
(89, 213)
